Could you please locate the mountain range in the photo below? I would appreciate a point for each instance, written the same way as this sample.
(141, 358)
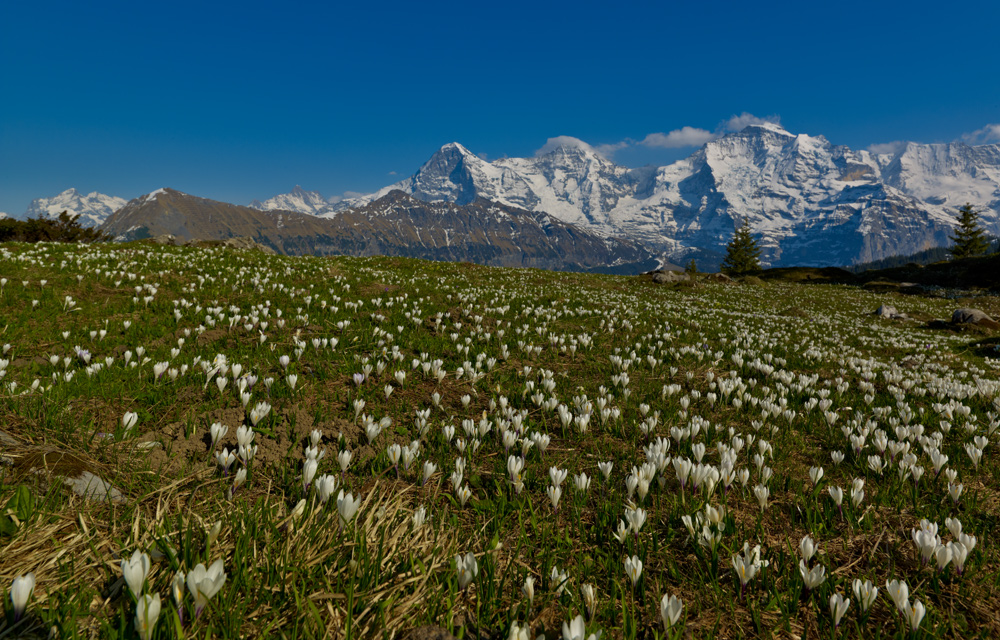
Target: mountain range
(91, 209)
(298, 199)
(395, 224)
(808, 201)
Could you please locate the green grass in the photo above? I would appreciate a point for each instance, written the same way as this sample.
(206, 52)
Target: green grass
(739, 364)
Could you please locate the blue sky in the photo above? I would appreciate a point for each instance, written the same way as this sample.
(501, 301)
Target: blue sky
(245, 100)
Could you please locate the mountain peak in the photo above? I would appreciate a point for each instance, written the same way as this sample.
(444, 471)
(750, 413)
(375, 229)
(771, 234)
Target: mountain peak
(91, 209)
(453, 147)
(298, 199)
(564, 144)
(773, 127)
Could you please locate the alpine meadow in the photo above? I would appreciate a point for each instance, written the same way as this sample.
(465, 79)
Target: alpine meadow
(205, 441)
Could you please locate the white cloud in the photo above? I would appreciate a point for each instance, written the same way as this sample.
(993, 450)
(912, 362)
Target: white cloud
(888, 147)
(683, 137)
(608, 150)
(990, 134)
(694, 137)
(563, 141)
(686, 136)
(347, 195)
(392, 173)
(737, 123)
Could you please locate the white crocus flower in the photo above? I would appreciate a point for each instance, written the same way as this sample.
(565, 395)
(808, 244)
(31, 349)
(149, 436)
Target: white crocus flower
(147, 610)
(205, 583)
(347, 506)
(466, 568)
(135, 571)
(20, 592)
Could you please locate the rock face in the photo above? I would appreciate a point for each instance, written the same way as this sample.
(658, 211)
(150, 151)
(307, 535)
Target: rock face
(811, 203)
(397, 224)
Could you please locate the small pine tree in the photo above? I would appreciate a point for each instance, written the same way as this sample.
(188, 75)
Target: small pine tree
(742, 252)
(970, 238)
(692, 268)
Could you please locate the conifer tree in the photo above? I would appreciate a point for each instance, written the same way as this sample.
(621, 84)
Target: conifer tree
(970, 238)
(742, 252)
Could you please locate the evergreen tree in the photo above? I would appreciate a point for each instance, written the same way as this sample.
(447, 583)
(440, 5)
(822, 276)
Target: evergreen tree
(742, 252)
(970, 238)
(692, 268)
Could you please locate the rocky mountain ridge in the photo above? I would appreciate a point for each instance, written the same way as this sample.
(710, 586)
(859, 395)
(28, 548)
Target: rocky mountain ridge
(396, 224)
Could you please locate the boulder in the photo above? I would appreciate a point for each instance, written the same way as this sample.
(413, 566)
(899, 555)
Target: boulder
(243, 242)
(974, 316)
(168, 239)
(889, 311)
(668, 277)
(719, 277)
(886, 311)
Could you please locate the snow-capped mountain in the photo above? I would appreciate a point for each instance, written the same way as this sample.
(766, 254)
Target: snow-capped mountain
(92, 209)
(809, 201)
(298, 199)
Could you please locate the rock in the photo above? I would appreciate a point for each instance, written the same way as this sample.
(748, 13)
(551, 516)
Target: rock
(243, 242)
(974, 316)
(8, 440)
(886, 311)
(719, 277)
(668, 277)
(167, 238)
(93, 487)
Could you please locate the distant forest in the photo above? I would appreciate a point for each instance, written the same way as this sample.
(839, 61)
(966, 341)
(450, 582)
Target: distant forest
(927, 256)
